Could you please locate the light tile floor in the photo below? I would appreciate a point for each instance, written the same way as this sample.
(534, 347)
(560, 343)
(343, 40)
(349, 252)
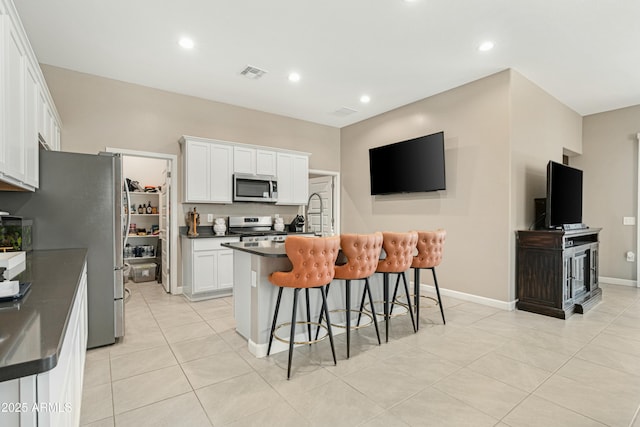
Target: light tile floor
(182, 364)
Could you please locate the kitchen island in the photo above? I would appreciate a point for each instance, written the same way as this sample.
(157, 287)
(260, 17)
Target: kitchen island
(254, 297)
(43, 340)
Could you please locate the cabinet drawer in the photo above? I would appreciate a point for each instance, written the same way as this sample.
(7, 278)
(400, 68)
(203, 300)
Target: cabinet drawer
(213, 243)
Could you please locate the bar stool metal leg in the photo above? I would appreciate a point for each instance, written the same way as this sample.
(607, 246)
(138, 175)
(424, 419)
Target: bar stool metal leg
(326, 314)
(385, 291)
(416, 293)
(435, 281)
(306, 291)
(373, 311)
(275, 318)
(347, 299)
(293, 330)
(406, 291)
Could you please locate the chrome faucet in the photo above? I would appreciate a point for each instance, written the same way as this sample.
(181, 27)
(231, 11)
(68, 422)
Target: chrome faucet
(320, 213)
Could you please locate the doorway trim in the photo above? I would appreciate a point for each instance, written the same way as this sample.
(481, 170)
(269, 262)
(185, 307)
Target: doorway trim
(336, 194)
(173, 202)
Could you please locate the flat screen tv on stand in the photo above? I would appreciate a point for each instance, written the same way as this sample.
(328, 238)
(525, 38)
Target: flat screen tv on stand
(563, 208)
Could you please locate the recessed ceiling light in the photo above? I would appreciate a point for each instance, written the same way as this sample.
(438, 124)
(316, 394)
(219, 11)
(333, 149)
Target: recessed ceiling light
(485, 46)
(186, 43)
(365, 99)
(294, 77)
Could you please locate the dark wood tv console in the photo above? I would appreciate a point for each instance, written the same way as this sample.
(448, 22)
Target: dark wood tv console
(557, 271)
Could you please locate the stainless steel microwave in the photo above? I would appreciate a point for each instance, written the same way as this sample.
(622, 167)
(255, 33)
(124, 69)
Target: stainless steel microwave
(255, 188)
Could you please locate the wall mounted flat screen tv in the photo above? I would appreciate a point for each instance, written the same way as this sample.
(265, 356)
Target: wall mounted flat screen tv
(415, 165)
(564, 195)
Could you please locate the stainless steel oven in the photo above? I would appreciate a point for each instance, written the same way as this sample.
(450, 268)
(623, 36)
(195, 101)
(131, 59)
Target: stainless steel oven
(255, 188)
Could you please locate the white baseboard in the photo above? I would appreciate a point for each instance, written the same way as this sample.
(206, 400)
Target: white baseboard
(502, 305)
(614, 281)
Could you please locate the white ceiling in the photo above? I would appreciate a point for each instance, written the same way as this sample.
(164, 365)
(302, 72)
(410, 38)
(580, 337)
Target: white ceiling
(586, 53)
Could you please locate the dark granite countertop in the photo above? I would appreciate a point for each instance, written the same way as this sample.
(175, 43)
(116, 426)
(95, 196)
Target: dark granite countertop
(33, 328)
(265, 248)
(206, 232)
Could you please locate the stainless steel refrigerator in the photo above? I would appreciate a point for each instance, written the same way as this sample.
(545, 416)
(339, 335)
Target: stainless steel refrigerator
(79, 205)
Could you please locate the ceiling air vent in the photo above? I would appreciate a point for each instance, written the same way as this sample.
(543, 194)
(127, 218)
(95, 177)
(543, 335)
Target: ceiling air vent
(344, 111)
(251, 72)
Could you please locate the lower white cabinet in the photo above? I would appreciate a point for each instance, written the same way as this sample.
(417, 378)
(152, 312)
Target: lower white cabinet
(52, 398)
(207, 268)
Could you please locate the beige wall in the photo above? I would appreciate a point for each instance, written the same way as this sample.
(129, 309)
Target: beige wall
(97, 112)
(500, 132)
(610, 164)
(475, 206)
(541, 129)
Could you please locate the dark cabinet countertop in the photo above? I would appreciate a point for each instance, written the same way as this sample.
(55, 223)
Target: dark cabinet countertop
(32, 329)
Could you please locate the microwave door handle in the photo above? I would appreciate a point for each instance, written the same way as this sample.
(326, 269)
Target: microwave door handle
(271, 189)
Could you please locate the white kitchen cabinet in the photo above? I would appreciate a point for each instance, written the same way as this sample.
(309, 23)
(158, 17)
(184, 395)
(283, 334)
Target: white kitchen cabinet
(13, 95)
(266, 162)
(254, 161)
(54, 397)
(293, 179)
(27, 111)
(207, 267)
(31, 100)
(207, 171)
(244, 160)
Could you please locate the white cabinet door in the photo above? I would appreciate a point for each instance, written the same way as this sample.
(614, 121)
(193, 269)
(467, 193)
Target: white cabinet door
(300, 179)
(293, 179)
(244, 160)
(221, 173)
(31, 100)
(225, 269)
(266, 162)
(207, 170)
(204, 268)
(13, 94)
(197, 171)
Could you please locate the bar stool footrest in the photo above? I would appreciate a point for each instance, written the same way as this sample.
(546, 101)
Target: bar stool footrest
(353, 327)
(319, 325)
(381, 314)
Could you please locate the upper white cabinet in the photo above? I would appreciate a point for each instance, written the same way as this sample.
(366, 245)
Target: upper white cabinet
(207, 171)
(244, 160)
(27, 112)
(208, 167)
(254, 161)
(293, 179)
(266, 162)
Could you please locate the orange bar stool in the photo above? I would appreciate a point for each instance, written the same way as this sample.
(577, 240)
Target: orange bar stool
(362, 252)
(399, 248)
(313, 260)
(430, 246)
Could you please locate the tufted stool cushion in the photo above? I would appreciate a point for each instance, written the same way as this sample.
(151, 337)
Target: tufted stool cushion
(430, 245)
(313, 260)
(400, 248)
(362, 252)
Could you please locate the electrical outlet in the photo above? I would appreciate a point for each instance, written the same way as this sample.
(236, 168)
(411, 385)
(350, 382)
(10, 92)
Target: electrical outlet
(209, 217)
(631, 257)
(629, 220)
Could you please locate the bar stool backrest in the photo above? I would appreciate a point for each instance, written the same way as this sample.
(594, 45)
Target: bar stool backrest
(362, 252)
(430, 246)
(313, 260)
(399, 248)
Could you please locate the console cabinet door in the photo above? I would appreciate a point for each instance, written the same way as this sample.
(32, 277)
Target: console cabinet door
(225, 268)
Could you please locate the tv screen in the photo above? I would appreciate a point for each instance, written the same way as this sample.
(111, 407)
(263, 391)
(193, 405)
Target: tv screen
(411, 166)
(564, 195)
